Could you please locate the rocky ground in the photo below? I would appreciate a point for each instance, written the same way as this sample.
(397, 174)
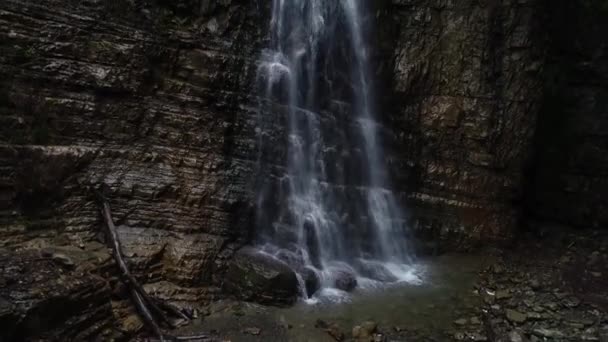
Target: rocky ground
(545, 289)
(551, 286)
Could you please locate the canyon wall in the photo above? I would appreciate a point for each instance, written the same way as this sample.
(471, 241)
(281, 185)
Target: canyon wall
(157, 103)
(568, 180)
(152, 101)
(466, 87)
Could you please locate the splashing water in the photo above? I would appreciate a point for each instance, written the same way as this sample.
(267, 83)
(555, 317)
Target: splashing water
(330, 213)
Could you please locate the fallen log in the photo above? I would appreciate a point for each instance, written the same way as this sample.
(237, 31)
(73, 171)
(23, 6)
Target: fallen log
(146, 306)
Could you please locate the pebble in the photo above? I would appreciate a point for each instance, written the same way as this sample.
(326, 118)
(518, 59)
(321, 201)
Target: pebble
(497, 269)
(459, 336)
(503, 294)
(548, 333)
(252, 331)
(515, 316)
(590, 334)
(365, 330)
(551, 305)
(461, 321)
(572, 302)
(478, 337)
(535, 284)
(515, 336)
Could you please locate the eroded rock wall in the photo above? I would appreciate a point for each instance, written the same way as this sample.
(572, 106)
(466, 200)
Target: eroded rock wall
(466, 89)
(156, 101)
(150, 99)
(569, 177)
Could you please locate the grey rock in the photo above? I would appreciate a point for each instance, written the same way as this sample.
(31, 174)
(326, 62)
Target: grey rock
(503, 294)
(515, 316)
(257, 277)
(344, 280)
(515, 336)
(548, 333)
(461, 321)
(365, 331)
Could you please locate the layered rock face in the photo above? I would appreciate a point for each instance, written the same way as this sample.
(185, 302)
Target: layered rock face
(466, 89)
(151, 101)
(157, 103)
(569, 179)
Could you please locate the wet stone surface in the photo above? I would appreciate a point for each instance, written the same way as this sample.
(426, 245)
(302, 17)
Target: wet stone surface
(547, 289)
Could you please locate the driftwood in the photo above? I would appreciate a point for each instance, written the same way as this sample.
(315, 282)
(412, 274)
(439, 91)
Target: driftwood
(148, 308)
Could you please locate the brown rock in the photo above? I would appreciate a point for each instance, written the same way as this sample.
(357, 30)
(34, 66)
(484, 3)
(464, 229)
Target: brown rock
(257, 277)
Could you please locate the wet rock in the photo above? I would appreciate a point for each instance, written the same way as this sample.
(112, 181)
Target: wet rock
(379, 338)
(365, 331)
(498, 269)
(252, 331)
(503, 294)
(515, 336)
(461, 321)
(535, 284)
(551, 305)
(253, 276)
(311, 281)
(548, 333)
(603, 333)
(459, 336)
(292, 259)
(175, 184)
(345, 281)
(332, 329)
(477, 337)
(572, 302)
(39, 296)
(131, 324)
(63, 260)
(515, 316)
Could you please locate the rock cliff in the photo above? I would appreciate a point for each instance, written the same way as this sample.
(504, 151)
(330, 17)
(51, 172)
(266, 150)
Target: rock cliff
(151, 100)
(155, 100)
(569, 178)
(466, 87)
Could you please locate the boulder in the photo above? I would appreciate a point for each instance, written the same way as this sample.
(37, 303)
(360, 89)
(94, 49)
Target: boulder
(311, 281)
(365, 331)
(258, 277)
(345, 281)
(374, 270)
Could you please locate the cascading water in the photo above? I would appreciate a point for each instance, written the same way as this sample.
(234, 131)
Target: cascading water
(329, 213)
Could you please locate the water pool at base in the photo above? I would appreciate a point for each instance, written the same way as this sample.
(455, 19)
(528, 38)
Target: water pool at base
(446, 293)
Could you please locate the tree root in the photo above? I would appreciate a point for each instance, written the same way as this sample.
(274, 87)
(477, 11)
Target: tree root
(149, 309)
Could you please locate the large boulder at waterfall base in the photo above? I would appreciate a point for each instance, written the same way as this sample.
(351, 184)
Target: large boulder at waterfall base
(345, 281)
(257, 277)
(311, 281)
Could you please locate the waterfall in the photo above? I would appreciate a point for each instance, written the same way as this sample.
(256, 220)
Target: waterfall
(328, 211)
